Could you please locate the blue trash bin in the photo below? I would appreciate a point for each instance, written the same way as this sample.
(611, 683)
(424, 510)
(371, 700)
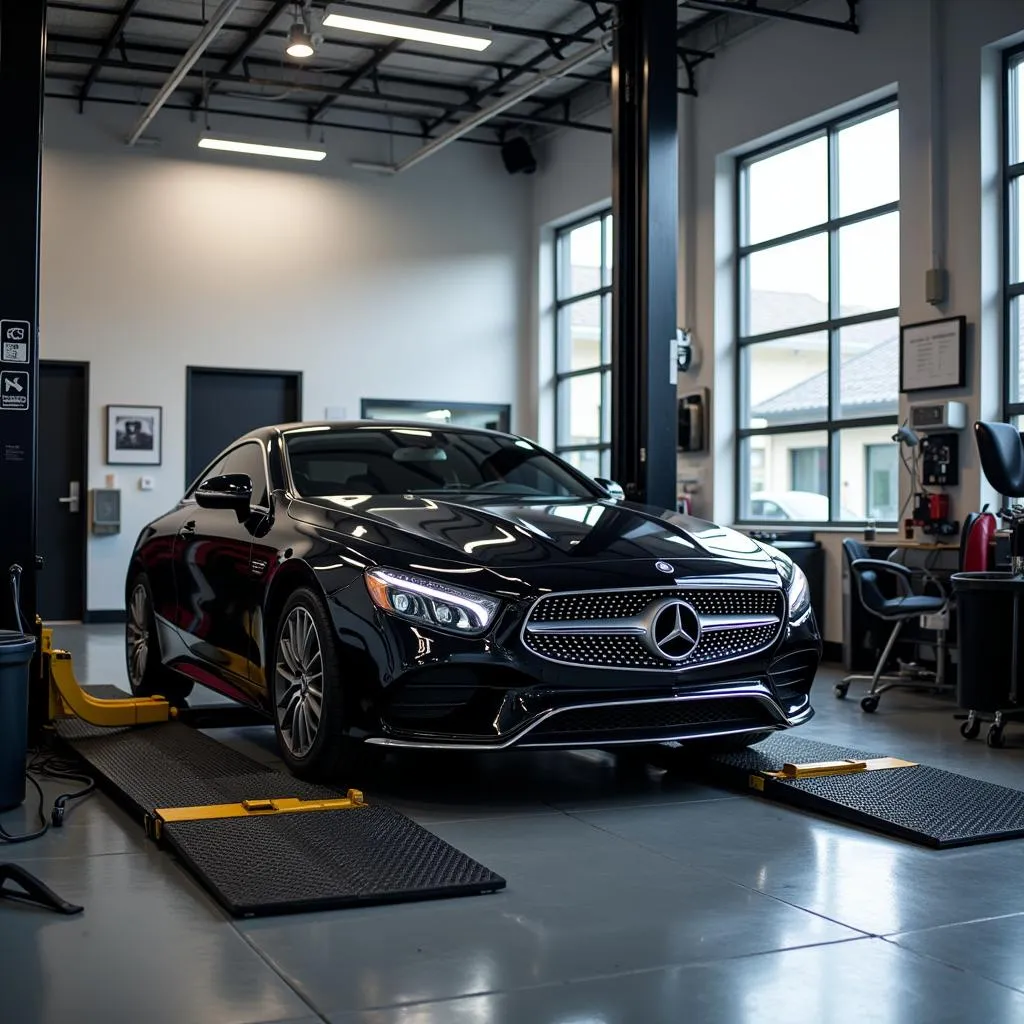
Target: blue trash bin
(16, 650)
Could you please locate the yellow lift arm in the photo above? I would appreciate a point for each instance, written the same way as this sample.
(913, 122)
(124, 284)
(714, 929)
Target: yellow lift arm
(67, 699)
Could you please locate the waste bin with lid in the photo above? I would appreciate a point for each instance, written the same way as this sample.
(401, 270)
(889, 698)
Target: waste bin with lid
(16, 650)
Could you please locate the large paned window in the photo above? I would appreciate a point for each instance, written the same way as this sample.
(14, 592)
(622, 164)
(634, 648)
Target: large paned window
(1013, 373)
(818, 319)
(583, 348)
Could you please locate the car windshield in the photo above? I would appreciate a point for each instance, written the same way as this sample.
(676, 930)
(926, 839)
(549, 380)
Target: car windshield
(332, 461)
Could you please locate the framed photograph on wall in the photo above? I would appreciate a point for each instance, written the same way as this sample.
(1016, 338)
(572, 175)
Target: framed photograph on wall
(134, 435)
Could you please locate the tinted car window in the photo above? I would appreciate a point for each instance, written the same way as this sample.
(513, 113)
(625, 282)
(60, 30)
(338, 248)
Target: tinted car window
(248, 459)
(426, 461)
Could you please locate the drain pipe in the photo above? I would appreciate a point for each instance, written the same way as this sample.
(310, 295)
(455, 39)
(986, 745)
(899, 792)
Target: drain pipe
(195, 51)
(499, 107)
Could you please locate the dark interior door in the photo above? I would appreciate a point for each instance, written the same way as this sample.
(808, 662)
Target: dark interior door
(62, 515)
(224, 404)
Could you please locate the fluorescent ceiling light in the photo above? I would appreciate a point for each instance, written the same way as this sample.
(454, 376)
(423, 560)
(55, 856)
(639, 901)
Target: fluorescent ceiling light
(260, 149)
(398, 30)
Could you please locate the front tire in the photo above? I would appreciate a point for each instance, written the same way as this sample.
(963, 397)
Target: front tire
(147, 674)
(309, 702)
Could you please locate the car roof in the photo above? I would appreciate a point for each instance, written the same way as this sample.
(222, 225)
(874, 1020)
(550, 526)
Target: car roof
(271, 430)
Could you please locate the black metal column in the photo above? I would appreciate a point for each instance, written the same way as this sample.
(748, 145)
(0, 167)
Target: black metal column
(646, 225)
(22, 53)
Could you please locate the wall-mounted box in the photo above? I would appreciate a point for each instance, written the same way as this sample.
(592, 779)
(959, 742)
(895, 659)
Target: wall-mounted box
(105, 507)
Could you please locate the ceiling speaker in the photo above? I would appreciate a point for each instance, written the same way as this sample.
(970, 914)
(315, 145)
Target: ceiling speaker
(518, 157)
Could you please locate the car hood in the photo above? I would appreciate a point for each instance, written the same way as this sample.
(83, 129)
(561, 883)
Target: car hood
(507, 534)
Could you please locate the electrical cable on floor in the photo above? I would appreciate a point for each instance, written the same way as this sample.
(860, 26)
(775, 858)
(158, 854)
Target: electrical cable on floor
(45, 763)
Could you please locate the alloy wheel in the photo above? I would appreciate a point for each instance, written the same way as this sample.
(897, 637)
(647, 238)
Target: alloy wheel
(299, 682)
(138, 634)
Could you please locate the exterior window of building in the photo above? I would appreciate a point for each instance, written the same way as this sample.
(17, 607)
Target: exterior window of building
(583, 331)
(1013, 373)
(881, 482)
(818, 319)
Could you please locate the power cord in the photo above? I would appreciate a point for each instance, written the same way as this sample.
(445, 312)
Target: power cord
(44, 763)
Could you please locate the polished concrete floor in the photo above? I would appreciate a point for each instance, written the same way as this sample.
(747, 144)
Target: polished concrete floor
(632, 897)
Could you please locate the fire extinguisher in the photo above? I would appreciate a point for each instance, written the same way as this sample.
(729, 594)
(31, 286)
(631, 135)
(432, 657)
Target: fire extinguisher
(976, 545)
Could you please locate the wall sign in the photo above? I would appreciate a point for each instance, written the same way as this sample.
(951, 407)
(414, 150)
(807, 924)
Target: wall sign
(14, 388)
(15, 341)
(933, 354)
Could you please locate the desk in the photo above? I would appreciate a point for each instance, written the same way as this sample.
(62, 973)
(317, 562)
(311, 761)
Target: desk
(913, 545)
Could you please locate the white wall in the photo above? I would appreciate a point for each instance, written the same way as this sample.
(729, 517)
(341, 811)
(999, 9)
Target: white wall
(781, 76)
(155, 259)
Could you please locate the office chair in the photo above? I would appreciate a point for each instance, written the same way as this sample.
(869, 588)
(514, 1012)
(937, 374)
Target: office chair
(865, 573)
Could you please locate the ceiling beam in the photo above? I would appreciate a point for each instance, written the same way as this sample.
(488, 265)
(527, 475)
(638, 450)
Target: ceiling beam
(311, 86)
(195, 51)
(253, 36)
(105, 49)
(753, 8)
(498, 87)
(251, 114)
(348, 44)
(175, 52)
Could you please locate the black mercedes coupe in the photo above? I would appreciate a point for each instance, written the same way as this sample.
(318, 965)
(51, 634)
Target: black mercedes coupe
(378, 584)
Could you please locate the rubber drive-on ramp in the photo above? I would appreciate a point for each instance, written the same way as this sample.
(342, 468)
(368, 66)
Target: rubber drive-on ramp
(922, 804)
(274, 864)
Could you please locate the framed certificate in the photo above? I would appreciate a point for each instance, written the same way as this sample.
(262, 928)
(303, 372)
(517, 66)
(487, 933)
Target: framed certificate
(933, 354)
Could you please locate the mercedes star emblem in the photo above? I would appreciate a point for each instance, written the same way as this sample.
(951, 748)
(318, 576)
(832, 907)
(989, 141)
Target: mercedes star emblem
(674, 630)
(664, 566)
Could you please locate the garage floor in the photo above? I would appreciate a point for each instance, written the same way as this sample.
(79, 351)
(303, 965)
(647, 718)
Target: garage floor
(631, 897)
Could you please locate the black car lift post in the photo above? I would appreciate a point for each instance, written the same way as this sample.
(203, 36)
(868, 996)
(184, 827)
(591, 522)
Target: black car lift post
(22, 59)
(646, 223)
(22, 56)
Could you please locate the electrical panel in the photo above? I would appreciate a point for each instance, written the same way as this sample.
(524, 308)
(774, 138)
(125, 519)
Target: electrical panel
(692, 421)
(106, 510)
(940, 460)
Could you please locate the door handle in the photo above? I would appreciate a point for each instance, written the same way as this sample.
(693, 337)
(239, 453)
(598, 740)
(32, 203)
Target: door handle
(73, 499)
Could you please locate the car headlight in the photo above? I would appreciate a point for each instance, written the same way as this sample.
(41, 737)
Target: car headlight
(799, 597)
(430, 602)
(798, 591)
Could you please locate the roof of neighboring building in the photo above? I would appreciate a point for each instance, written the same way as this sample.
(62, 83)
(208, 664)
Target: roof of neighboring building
(867, 379)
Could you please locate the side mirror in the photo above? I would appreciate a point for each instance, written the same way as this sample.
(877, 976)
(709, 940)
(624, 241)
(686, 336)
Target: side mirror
(614, 490)
(231, 491)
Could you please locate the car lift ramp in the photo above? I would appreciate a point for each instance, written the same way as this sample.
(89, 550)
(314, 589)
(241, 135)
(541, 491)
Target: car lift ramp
(261, 841)
(898, 798)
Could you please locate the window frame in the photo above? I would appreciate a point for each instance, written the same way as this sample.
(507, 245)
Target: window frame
(603, 369)
(1010, 173)
(833, 423)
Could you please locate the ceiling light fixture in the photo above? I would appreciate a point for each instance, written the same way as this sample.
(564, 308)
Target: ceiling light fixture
(260, 149)
(300, 40)
(419, 31)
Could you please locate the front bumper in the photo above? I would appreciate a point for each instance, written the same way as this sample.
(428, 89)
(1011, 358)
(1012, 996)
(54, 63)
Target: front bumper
(428, 690)
(730, 710)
